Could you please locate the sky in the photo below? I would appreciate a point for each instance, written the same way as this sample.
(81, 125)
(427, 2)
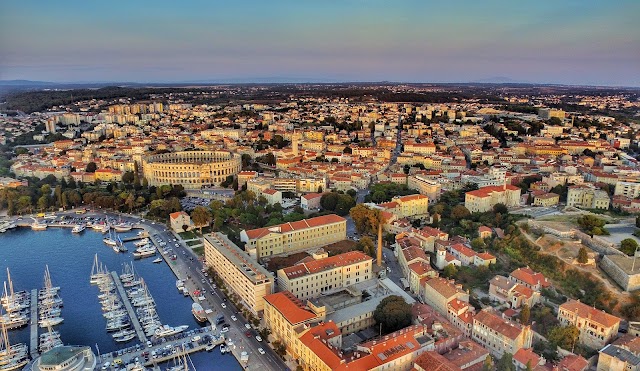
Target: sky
(582, 42)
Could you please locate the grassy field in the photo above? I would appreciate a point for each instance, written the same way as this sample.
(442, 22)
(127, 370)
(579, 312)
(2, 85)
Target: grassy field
(198, 250)
(193, 243)
(187, 235)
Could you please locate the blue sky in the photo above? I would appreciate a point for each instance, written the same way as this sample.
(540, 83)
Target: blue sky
(574, 42)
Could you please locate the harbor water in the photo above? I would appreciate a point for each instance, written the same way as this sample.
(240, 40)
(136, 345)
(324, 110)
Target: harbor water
(70, 258)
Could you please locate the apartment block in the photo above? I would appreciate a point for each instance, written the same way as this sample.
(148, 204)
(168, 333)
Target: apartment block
(587, 197)
(499, 335)
(627, 189)
(294, 236)
(597, 327)
(318, 277)
(239, 272)
(439, 291)
(484, 199)
(425, 186)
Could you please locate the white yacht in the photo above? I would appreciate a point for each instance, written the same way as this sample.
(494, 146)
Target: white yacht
(78, 228)
(166, 330)
(36, 226)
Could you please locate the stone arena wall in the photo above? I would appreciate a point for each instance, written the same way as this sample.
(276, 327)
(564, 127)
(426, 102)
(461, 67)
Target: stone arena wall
(191, 169)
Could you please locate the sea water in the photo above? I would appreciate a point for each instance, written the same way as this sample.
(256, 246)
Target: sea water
(70, 259)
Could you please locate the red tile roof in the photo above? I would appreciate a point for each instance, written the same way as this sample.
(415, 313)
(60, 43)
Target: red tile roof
(593, 314)
(294, 226)
(498, 324)
(340, 260)
(525, 356)
(528, 276)
(290, 307)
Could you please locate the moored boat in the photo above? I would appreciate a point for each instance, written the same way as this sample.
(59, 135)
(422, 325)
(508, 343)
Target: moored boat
(198, 312)
(78, 228)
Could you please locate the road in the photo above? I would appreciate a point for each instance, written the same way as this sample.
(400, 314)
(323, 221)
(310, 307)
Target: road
(188, 267)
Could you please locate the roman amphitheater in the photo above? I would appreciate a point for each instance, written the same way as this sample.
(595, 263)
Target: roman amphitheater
(191, 169)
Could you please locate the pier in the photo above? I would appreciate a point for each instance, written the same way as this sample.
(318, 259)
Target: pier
(132, 314)
(33, 340)
(164, 348)
(136, 237)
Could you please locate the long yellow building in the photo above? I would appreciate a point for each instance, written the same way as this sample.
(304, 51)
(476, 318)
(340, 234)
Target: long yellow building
(294, 236)
(322, 276)
(243, 275)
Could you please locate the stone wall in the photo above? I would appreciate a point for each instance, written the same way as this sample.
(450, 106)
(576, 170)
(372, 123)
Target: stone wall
(622, 278)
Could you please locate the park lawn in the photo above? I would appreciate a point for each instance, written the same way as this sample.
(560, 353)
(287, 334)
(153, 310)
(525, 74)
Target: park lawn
(189, 235)
(194, 243)
(198, 250)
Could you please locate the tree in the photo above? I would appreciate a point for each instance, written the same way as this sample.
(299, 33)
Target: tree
(583, 258)
(628, 246)
(367, 246)
(506, 363)
(564, 337)
(459, 212)
(500, 208)
(393, 313)
(525, 314)
(488, 364)
(449, 271)
(127, 177)
(91, 167)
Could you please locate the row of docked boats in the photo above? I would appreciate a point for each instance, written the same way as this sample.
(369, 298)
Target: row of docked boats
(16, 304)
(6, 225)
(103, 227)
(117, 318)
(145, 307)
(49, 313)
(12, 357)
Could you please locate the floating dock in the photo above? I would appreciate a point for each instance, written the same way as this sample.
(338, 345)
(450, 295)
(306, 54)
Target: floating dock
(136, 237)
(33, 340)
(184, 341)
(127, 304)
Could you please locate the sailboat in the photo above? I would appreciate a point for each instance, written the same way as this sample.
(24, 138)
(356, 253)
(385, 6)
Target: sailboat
(110, 241)
(15, 301)
(12, 357)
(98, 273)
(182, 362)
(49, 302)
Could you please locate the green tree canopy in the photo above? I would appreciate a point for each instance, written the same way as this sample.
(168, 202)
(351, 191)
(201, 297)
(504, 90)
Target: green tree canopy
(393, 313)
(628, 246)
(583, 257)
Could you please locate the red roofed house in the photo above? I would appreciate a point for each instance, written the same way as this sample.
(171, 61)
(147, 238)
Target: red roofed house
(310, 201)
(504, 290)
(485, 198)
(596, 327)
(180, 219)
(323, 276)
(294, 236)
(499, 335)
(273, 197)
(439, 291)
(533, 280)
(283, 314)
(526, 358)
(484, 232)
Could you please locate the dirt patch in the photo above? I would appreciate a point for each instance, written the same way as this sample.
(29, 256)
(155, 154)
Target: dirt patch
(279, 262)
(340, 247)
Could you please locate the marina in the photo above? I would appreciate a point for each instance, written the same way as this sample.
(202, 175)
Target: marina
(83, 318)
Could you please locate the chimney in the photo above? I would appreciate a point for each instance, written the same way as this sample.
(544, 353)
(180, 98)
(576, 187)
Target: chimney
(379, 254)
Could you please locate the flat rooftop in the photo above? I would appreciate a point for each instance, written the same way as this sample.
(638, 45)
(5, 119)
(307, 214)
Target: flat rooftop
(238, 257)
(625, 263)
